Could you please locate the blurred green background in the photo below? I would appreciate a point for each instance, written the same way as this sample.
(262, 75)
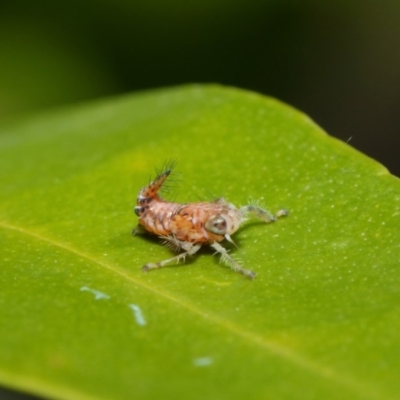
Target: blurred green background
(338, 61)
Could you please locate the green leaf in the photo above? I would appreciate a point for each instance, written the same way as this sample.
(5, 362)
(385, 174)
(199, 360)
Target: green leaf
(80, 320)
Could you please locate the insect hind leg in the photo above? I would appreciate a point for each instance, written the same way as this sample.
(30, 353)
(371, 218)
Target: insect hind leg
(189, 248)
(233, 264)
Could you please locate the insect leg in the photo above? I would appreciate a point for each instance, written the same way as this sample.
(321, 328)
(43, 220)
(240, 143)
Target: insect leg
(220, 200)
(234, 265)
(190, 249)
(261, 213)
(138, 230)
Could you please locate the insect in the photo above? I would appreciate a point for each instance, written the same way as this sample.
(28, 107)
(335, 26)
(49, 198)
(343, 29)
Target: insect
(187, 227)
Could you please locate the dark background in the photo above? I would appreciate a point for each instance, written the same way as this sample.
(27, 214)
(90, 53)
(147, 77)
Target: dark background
(338, 61)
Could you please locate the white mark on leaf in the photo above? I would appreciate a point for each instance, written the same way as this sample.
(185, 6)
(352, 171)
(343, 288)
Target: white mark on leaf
(137, 313)
(203, 361)
(97, 294)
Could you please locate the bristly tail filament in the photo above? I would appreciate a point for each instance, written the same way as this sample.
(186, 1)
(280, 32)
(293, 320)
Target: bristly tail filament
(150, 192)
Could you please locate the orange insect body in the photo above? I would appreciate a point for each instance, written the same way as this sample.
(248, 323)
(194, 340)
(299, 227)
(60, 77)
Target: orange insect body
(187, 221)
(189, 226)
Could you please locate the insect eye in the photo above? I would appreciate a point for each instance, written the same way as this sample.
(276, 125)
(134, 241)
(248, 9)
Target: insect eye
(216, 225)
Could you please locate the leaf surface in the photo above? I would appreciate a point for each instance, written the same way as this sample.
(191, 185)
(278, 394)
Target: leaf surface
(79, 320)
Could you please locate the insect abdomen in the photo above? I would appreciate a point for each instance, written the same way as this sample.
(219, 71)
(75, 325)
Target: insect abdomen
(156, 217)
